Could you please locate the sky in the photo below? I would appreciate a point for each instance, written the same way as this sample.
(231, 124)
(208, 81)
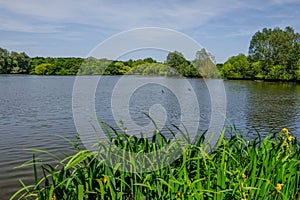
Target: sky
(73, 28)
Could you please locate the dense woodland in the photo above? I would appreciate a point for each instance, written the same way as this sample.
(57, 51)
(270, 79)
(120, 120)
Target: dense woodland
(274, 54)
(175, 65)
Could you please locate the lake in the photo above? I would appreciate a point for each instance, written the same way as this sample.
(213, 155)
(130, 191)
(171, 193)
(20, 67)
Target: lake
(35, 111)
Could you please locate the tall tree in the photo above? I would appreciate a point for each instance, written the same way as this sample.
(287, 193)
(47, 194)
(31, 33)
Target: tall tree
(183, 67)
(205, 64)
(276, 47)
(4, 59)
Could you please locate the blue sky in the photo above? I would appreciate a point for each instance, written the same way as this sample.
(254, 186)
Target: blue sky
(63, 28)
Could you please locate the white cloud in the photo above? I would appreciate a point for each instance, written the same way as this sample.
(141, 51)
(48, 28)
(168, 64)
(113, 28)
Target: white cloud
(74, 26)
(116, 15)
(12, 43)
(49, 16)
(25, 26)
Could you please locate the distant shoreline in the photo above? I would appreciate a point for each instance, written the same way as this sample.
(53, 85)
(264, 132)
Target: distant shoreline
(224, 79)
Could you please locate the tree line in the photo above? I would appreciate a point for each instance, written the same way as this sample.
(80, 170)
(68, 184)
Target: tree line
(274, 54)
(175, 65)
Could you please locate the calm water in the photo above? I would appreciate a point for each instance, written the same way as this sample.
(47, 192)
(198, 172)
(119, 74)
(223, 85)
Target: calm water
(35, 111)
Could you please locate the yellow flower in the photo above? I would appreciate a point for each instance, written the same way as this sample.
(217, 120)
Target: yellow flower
(244, 176)
(178, 195)
(53, 197)
(285, 131)
(104, 180)
(279, 187)
(287, 144)
(290, 137)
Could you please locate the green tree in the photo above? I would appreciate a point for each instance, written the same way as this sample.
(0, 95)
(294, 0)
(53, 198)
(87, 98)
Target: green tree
(276, 47)
(297, 74)
(236, 67)
(20, 63)
(178, 62)
(205, 64)
(278, 72)
(256, 70)
(175, 60)
(121, 68)
(42, 69)
(4, 61)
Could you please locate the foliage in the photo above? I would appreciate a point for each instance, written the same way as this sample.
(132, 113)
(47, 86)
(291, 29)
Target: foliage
(236, 169)
(278, 72)
(183, 67)
(175, 65)
(13, 62)
(273, 54)
(93, 66)
(275, 47)
(236, 67)
(55, 66)
(153, 69)
(116, 68)
(42, 69)
(205, 65)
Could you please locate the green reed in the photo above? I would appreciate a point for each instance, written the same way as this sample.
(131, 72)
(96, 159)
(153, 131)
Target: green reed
(263, 168)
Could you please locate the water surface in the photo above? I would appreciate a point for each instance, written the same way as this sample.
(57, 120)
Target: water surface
(36, 110)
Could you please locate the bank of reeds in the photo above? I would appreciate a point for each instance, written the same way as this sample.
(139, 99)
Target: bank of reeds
(263, 168)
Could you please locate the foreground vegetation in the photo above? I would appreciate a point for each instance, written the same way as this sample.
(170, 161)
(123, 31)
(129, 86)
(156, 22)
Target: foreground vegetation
(263, 168)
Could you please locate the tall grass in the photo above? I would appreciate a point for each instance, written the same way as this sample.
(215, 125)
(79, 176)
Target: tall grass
(263, 168)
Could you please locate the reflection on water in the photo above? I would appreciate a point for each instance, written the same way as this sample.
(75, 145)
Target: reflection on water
(35, 110)
(263, 105)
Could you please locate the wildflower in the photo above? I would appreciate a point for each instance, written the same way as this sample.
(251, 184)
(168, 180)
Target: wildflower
(53, 197)
(104, 180)
(244, 176)
(290, 137)
(279, 187)
(285, 131)
(287, 146)
(178, 195)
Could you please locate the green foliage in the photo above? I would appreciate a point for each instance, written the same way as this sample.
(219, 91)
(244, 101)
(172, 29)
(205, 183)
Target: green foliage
(41, 69)
(236, 169)
(153, 69)
(236, 67)
(275, 47)
(204, 65)
(4, 61)
(278, 51)
(297, 71)
(183, 67)
(257, 72)
(278, 72)
(116, 68)
(93, 66)
(14, 63)
(175, 65)
(55, 66)
(273, 55)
